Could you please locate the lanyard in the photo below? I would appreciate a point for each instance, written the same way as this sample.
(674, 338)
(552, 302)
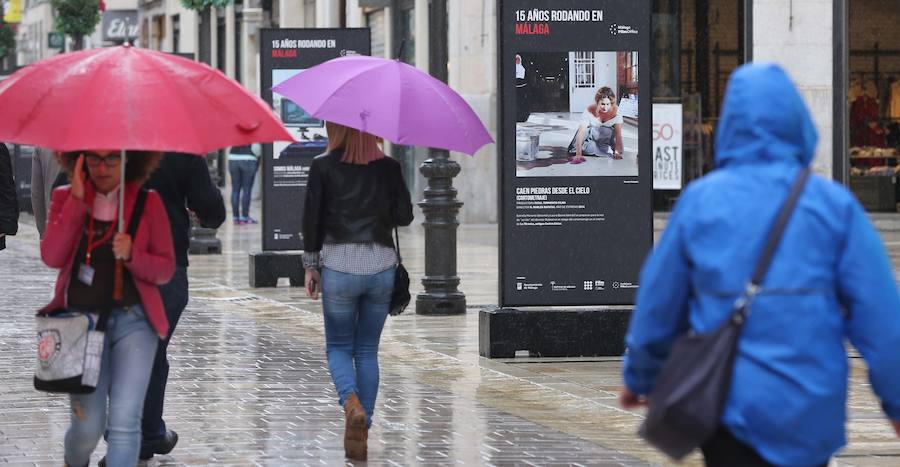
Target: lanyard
(91, 244)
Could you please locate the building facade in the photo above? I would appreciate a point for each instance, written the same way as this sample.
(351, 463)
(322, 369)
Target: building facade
(844, 56)
(38, 38)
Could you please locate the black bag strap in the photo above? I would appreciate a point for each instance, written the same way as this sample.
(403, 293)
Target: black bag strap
(397, 246)
(137, 212)
(102, 320)
(772, 241)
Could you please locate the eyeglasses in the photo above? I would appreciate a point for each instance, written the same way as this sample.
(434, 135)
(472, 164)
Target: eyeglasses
(93, 159)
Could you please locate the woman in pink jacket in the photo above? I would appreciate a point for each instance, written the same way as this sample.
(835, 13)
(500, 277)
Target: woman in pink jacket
(82, 241)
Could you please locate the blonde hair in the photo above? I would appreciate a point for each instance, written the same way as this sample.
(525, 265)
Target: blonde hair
(359, 147)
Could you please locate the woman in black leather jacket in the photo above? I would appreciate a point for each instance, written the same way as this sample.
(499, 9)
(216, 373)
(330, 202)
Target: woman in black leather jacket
(9, 203)
(355, 197)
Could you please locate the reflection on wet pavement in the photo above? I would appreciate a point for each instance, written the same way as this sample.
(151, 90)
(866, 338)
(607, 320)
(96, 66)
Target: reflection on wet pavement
(249, 384)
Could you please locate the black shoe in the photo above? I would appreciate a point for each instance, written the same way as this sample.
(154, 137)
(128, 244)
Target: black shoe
(164, 446)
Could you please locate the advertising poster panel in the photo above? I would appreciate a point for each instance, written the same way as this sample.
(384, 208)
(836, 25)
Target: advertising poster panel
(285, 53)
(576, 168)
(667, 146)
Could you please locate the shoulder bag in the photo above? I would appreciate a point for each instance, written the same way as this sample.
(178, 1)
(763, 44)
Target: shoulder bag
(400, 297)
(70, 343)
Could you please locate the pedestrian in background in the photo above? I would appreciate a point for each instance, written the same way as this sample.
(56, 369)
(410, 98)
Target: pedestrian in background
(44, 172)
(183, 183)
(242, 164)
(80, 241)
(829, 279)
(9, 202)
(355, 197)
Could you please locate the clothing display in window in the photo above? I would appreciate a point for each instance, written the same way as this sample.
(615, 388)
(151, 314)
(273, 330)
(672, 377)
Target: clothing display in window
(894, 108)
(864, 129)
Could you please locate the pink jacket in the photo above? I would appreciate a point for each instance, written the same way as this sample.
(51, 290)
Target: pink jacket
(152, 255)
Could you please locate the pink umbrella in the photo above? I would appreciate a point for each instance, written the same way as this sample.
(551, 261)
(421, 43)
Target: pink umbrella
(129, 98)
(388, 98)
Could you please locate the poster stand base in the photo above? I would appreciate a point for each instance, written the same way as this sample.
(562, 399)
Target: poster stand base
(266, 267)
(204, 242)
(598, 332)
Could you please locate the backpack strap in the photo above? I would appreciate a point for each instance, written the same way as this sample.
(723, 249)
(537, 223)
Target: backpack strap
(137, 212)
(397, 246)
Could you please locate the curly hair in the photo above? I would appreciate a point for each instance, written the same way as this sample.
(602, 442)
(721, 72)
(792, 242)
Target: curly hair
(139, 166)
(605, 93)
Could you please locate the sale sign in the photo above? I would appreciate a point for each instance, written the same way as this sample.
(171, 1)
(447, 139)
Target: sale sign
(667, 147)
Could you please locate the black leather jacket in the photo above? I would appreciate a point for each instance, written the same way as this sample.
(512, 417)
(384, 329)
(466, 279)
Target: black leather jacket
(9, 203)
(351, 203)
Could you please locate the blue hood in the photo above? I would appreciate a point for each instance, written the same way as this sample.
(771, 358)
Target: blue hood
(764, 119)
(830, 280)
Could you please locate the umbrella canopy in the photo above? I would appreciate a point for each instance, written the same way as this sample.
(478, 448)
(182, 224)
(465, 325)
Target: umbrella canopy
(129, 98)
(388, 98)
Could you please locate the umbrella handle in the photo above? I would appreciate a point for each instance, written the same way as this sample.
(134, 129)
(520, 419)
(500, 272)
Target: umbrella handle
(118, 280)
(119, 277)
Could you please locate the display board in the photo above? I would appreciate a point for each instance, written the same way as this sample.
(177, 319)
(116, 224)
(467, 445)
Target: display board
(285, 53)
(576, 171)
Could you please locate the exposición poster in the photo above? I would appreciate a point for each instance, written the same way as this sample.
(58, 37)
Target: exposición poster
(285, 53)
(576, 150)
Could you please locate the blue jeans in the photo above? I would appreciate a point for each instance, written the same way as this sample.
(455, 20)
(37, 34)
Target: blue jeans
(175, 298)
(355, 307)
(128, 349)
(242, 174)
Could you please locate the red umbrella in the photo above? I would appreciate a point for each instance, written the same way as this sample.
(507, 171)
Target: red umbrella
(129, 98)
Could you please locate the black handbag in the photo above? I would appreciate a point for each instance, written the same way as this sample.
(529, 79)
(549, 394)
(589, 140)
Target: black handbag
(400, 297)
(686, 403)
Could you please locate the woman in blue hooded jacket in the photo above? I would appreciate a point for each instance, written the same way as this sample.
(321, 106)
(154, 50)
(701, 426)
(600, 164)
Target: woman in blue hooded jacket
(830, 279)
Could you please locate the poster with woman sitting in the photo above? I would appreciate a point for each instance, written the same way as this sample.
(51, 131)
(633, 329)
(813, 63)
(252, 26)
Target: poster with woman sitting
(582, 118)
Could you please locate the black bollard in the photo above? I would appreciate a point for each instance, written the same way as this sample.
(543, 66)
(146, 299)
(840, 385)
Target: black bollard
(440, 206)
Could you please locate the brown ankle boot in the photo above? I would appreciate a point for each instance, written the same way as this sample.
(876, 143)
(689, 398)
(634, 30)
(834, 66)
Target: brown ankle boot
(355, 431)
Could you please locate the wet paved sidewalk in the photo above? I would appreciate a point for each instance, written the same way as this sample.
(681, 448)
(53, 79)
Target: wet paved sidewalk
(249, 384)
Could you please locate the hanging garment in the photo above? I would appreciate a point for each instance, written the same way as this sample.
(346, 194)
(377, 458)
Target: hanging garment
(894, 109)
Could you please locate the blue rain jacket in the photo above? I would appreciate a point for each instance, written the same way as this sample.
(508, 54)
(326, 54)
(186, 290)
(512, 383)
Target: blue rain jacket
(830, 279)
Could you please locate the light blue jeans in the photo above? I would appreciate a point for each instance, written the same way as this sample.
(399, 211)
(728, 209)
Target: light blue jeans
(128, 351)
(355, 307)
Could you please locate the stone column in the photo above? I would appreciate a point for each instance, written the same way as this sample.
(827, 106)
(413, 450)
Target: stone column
(253, 18)
(422, 27)
(800, 38)
(355, 17)
(328, 14)
(168, 44)
(440, 206)
(291, 14)
(389, 47)
(189, 34)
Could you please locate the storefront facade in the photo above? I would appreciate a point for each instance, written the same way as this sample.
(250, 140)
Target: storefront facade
(872, 99)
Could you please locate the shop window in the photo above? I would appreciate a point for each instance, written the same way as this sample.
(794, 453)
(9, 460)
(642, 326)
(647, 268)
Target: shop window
(176, 33)
(221, 47)
(238, 44)
(874, 103)
(406, 31)
(697, 45)
(375, 22)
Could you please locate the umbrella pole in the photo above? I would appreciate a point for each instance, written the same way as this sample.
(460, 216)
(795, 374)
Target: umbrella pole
(119, 278)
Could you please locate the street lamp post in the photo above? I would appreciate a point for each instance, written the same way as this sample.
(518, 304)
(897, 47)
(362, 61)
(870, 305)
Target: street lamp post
(440, 206)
